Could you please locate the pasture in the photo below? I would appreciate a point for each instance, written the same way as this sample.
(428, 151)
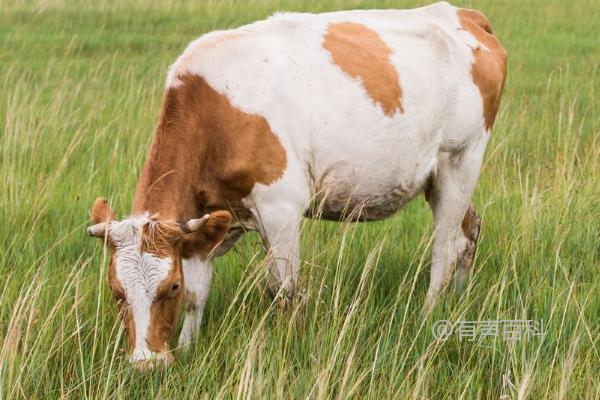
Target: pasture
(81, 84)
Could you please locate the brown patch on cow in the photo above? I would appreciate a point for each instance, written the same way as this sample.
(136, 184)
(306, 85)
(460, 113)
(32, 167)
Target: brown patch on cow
(489, 68)
(165, 310)
(118, 293)
(360, 53)
(471, 223)
(470, 226)
(126, 316)
(207, 155)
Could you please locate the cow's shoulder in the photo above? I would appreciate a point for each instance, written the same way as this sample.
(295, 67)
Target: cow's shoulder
(490, 61)
(223, 150)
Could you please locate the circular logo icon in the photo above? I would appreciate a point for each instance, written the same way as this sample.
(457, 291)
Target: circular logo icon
(442, 329)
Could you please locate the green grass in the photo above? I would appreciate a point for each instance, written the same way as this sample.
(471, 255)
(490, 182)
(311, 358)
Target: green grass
(80, 90)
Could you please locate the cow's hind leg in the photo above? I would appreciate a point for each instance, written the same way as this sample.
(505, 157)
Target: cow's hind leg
(450, 199)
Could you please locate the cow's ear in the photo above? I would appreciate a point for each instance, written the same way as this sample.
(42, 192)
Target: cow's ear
(101, 212)
(217, 226)
(209, 230)
(101, 215)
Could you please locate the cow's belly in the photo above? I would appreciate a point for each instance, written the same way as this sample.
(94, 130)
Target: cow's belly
(369, 190)
(341, 204)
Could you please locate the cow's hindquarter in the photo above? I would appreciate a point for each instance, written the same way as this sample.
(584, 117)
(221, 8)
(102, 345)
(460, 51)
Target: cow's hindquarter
(457, 223)
(456, 227)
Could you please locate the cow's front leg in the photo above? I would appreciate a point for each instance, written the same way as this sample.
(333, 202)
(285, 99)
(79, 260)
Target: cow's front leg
(197, 275)
(280, 230)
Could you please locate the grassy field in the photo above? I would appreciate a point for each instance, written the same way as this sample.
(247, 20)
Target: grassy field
(80, 90)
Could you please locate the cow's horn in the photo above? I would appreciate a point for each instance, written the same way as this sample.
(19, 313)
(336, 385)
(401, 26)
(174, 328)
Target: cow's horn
(97, 230)
(195, 224)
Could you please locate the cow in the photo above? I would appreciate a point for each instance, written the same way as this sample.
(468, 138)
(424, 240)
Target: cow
(343, 116)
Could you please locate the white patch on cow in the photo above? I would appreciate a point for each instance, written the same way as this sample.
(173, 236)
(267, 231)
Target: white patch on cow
(139, 274)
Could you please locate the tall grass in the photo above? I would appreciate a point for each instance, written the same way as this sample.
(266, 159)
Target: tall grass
(80, 89)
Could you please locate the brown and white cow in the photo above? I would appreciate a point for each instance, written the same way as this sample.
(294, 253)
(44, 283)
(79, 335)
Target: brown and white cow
(344, 115)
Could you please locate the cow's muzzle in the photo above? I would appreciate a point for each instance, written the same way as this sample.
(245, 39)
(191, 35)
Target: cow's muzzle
(152, 361)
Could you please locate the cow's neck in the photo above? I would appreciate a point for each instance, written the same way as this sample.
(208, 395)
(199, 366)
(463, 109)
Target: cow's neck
(169, 178)
(171, 196)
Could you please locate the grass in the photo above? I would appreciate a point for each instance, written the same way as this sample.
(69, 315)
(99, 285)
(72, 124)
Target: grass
(80, 90)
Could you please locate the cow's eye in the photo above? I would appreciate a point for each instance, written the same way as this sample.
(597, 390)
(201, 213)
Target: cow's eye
(168, 291)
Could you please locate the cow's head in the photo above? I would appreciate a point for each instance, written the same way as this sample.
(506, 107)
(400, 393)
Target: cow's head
(145, 273)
